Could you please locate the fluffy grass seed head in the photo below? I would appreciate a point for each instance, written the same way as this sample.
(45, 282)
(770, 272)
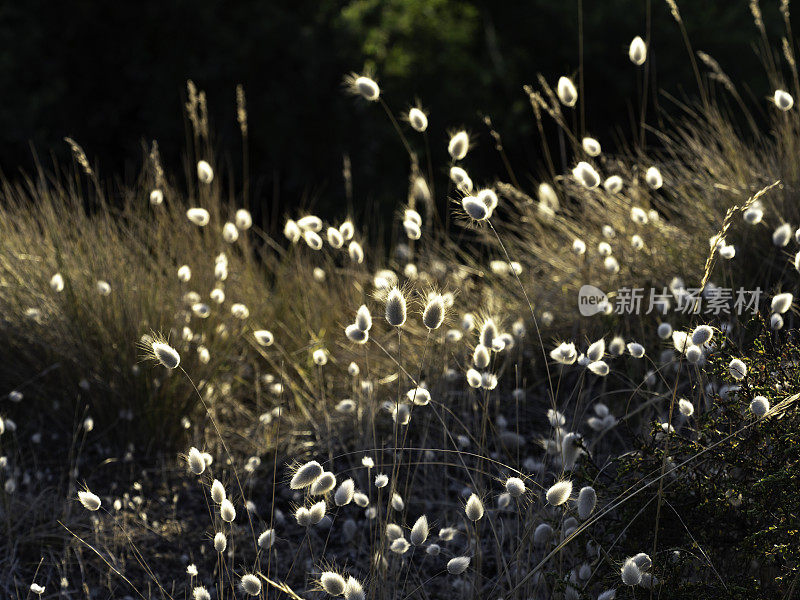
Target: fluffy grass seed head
(243, 219)
(364, 86)
(591, 146)
(567, 92)
(196, 461)
(474, 508)
(332, 583)
(266, 539)
(419, 532)
(564, 353)
(759, 406)
(637, 51)
(89, 500)
(355, 252)
(200, 593)
(737, 369)
(474, 208)
(515, 486)
(559, 492)
(587, 500)
(344, 493)
(418, 119)
(204, 172)
(702, 334)
(305, 475)
(57, 283)
(264, 337)
(220, 542)
(323, 484)
(251, 585)
(354, 590)
(586, 175)
(613, 184)
(458, 146)
(782, 302)
(198, 216)
(396, 311)
(217, 491)
(434, 311)
(630, 572)
(227, 511)
(685, 407)
(355, 334)
(653, 178)
(782, 235)
(363, 318)
(335, 237)
(457, 565)
(783, 100)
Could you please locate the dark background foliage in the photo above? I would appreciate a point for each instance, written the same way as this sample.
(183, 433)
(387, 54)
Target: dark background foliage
(112, 75)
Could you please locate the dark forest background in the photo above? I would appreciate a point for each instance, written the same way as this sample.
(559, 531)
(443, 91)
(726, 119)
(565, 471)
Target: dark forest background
(112, 76)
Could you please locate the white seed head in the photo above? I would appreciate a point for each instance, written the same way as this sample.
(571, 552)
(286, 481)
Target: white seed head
(344, 493)
(204, 172)
(457, 565)
(474, 508)
(227, 511)
(591, 146)
(396, 308)
(782, 302)
(363, 318)
(217, 491)
(613, 185)
(458, 145)
(783, 100)
(587, 500)
(586, 175)
(266, 539)
(515, 486)
(356, 252)
(685, 407)
(631, 574)
(653, 178)
(251, 585)
(89, 500)
(57, 282)
(418, 119)
(419, 532)
(156, 197)
(333, 583)
(599, 368)
(320, 357)
(474, 208)
(759, 406)
(637, 51)
(264, 337)
(354, 590)
(198, 216)
(368, 88)
(292, 231)
(197, 463)
(664, 330)
(433, 314)
(559, 493)
(567, 93)
(200, 593)
(737, 369)
(316, 512)
(335, 238)
(636, 350)
(782, 235)
(702, 334)
(355, 334)
(220, 542)
(243, 219)
(305, 475)
(323, 484)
